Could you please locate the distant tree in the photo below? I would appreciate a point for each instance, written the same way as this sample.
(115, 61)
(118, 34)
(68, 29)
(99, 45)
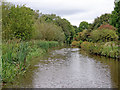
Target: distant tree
(103, 19)
(48, 32)
(48, 18)
(83, 26)
(76, 29)
(84, 36)
(36, 14)
(67, 28)
(107, 26)
(115, 17)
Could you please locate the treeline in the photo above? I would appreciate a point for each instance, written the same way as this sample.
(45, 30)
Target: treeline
(102, 36)
(27, 34)
(105, 19)
(25, 23)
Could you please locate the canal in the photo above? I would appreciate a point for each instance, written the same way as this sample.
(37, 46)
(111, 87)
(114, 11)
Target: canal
(69, 68)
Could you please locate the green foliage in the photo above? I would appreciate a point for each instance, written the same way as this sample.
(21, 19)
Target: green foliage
(77, 43)
(83, 26)
(103, 35)
(25, 23)
(108, 49)
(82, 36)
(17, 22)
(76, 29)
(47, 44)
(16, 56)
(6, 32)
(115, 18)
(48, 31)
(13, 60)
(103, 19)
(67, 28)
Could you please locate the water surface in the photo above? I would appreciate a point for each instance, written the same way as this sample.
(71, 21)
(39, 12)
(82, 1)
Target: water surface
(70, 68)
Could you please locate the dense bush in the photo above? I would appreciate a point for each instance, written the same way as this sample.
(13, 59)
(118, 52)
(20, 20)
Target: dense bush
(66, 26)
(82, 36)
(115, 17)
(76, 43)
(109, 49)
(13, 60)
(16, 22)
(16, 56)
(48, 32)
(107, 26)
(103, 35)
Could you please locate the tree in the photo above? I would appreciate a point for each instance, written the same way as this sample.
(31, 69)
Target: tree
(103, 35)
(17, 22)
(103, 19)
(84, 36)
(107, 26)
(67, 28)
(48, 32)
(83, 26)
(6, 32)
(76, 29)
(115, 17)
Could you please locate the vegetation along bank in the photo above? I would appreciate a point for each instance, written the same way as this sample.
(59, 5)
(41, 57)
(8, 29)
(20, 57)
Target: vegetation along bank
(102, 37)
(27, 33)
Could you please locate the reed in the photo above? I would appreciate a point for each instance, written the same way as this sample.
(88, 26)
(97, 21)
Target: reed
(108, 49)
(16, 56)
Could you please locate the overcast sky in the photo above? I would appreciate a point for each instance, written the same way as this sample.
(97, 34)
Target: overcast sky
(73, 10)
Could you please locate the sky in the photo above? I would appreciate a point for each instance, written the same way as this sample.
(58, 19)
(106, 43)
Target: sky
(75, 11)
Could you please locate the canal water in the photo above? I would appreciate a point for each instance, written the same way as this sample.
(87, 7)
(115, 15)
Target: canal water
(69, 68)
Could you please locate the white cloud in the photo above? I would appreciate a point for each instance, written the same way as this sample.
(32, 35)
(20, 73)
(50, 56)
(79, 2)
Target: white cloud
(73, 10)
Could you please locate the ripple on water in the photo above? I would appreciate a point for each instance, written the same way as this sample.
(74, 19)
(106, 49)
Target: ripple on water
(68, 68)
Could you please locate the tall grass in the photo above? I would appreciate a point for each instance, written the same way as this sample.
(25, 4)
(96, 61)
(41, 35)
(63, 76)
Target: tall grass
(13, 60)
(108, 49)
(16, 56)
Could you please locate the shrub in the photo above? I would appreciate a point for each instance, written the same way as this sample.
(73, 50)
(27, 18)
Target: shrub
(82, 36)
(104, 49)
(103, 35)
(86, 46)
(107, 26)
(48, 32)
(16, 55)
(76, 43)
(13, 60)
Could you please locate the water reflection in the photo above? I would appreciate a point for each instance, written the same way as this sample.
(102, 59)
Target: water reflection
(111, 66)
(71, 68)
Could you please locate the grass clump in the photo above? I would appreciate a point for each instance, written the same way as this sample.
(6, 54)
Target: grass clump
(108, 49)
(16, 56)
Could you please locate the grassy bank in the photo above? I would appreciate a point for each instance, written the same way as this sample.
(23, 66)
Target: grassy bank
(17, 55)
(108, 49)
